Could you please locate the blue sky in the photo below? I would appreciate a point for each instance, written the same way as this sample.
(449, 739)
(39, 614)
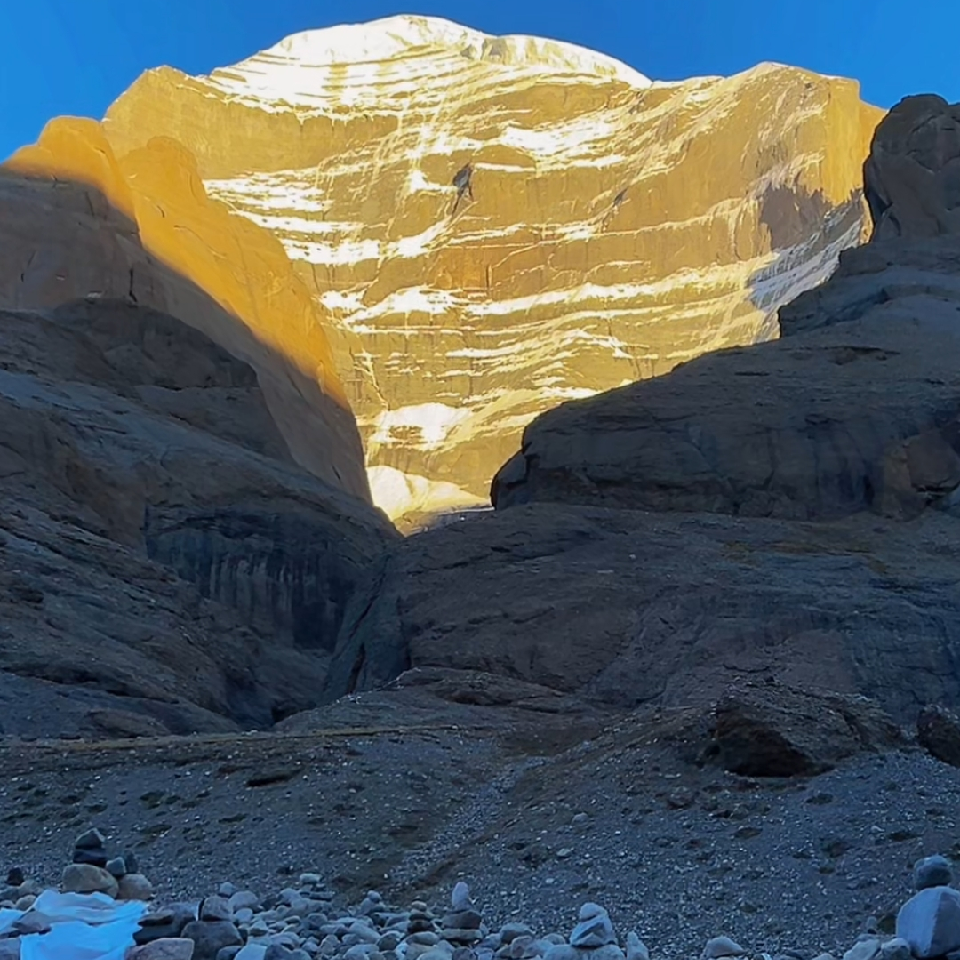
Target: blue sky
(76, 56)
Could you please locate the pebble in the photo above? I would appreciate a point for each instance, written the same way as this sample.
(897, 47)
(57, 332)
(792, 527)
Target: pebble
(866, 949)
(510, 931)
(299, 924)
(252, 951)
(594, 928)
(722, 947)
(166, 923)
(134, 886)
(165, 949)
(896, 949)
(211, 937)
(214, 909)
(636, 948)
(91, 839)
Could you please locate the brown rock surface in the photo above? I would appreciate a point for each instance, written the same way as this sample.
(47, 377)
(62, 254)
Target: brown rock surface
(164, 566)
(79, 223)
(938, 731)
(613, 228)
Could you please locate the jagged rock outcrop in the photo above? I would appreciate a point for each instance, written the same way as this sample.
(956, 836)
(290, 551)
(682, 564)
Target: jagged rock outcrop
(786, 510)
(80, 222)
(770, 730)
(938, 731)
(498, 224)
(913, 173)
(853, 409)
(164, 565)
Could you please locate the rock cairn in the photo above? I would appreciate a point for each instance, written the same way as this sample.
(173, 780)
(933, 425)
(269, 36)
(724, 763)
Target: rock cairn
(302, 922)
(94, 871)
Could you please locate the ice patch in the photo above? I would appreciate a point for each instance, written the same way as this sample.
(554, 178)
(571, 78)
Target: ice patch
(332, 254)
(398, 493)
(435, 421)
(404, 302)
(345, 300)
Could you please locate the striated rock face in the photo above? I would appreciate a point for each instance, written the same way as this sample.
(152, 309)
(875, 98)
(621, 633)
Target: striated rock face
(494, 225)
(79, 222)
(852, 409)
(164, 566)
(165, 563)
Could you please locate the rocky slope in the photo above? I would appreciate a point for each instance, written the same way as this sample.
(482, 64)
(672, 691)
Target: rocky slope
(784, 510)
(498, 224)
(631, 608)
(678, 852)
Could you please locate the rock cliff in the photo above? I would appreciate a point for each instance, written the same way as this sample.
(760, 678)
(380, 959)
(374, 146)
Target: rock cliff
(166, 564)
(632, 608)
(853, 409)
(913, 173)
(786, 511)
(79, 222)
(497, 224)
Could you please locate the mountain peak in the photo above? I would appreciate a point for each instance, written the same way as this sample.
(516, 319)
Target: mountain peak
(316, 67)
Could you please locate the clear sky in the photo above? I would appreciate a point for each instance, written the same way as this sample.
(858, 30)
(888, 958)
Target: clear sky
(76, 56)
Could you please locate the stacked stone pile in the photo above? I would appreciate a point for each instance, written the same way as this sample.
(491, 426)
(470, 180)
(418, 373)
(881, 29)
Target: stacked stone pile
(93, 870)
(303, 922)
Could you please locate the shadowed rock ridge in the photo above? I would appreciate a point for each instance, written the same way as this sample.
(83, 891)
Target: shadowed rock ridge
(913, 173)
(852, 409)
(165, 563)
(170, 246)
(782, 512)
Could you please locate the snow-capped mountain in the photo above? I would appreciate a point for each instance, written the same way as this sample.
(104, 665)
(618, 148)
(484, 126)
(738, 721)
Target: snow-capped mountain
(493, 225)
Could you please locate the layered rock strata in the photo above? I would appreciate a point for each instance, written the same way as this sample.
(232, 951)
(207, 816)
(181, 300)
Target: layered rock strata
(494, 225)
(853, 409)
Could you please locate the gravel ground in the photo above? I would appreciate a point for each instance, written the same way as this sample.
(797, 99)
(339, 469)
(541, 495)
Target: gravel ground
(536, 826)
